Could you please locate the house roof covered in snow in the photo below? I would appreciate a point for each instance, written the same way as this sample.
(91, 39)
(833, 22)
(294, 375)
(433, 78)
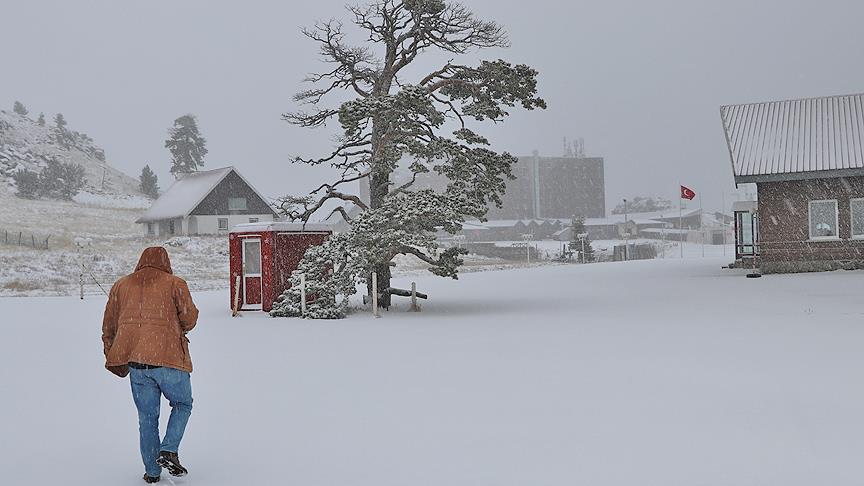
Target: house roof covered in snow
(185, 194)
(286, 226)
(796, 139)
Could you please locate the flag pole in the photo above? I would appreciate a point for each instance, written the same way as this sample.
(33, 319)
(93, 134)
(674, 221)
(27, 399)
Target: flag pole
(701, 224)
(680, 221)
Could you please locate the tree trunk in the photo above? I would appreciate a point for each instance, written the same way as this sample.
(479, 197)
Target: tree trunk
(379, 186)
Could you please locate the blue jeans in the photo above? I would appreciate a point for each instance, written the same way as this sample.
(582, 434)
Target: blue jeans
(148, 386)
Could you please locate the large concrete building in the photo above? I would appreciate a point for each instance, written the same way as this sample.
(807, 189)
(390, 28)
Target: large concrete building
(554, 188)
(544, 188)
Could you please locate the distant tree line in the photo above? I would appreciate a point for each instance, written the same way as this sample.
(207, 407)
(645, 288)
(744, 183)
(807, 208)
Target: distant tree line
(59, 180)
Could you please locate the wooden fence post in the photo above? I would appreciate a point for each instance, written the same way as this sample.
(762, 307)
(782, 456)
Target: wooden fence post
(81, 281)
(414, 306)
(236, 308)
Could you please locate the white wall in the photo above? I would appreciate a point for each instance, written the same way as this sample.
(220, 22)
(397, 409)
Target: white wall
(209, 225)
(202, 225)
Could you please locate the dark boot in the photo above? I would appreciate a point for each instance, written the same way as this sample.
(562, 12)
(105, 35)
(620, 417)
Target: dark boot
(171, 462)
(151, 479)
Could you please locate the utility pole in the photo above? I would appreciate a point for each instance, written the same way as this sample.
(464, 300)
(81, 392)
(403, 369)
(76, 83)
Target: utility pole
(702, 224)
(680, 221)
(626, 234)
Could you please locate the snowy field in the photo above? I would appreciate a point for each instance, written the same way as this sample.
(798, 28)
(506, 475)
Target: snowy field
(663, 372)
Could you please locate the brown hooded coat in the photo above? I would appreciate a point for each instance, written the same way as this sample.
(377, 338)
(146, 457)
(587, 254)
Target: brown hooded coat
(147, 317)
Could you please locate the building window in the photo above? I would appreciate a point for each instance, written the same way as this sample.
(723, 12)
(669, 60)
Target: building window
(171, 227)
(237, 204)
(223, 224)
(823, 220)
(150, 229)
(253, 220)
(856, 208)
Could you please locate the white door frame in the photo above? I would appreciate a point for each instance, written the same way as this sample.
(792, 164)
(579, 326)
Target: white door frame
(247, 305)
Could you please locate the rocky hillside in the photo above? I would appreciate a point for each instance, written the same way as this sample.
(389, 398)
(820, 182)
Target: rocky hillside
(24, 144)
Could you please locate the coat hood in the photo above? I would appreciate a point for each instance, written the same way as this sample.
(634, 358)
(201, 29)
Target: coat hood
(155, 257)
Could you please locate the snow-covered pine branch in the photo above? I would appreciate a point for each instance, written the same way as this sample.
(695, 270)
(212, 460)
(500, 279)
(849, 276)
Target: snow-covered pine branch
(392, 124)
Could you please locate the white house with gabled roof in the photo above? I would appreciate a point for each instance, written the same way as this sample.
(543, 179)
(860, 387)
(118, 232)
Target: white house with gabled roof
(206, 203)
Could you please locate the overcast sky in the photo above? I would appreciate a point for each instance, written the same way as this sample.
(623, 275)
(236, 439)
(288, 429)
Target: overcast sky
(640, 81)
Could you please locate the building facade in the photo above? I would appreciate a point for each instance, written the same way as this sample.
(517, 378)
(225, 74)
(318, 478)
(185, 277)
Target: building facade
(206, 203)
(554, 188)
(543, 188)
(806, 157)
(811, 225)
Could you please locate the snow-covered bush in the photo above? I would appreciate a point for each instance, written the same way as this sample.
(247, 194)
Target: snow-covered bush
(405, 224)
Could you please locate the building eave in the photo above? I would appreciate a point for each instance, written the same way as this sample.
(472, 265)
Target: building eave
(799, 176)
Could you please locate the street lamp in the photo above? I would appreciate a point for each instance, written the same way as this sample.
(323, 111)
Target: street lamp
(626, 233)
(582, 237)
(527, 237)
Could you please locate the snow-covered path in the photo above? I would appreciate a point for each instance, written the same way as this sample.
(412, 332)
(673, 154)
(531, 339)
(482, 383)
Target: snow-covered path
(663, 372)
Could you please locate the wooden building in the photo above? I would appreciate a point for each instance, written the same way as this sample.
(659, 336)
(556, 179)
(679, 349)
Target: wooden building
(206, 203)
(806, 157)
(263, 256)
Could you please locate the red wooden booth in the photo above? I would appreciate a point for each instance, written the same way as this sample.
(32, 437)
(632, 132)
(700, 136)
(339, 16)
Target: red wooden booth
(263, 255)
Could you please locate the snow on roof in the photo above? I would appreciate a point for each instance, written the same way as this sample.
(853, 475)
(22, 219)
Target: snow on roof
(474, 226)
(285, 226)
(750, 206)
(791, 139)
(667, 231)
(654, 217)
(505, 223)
(185, 194)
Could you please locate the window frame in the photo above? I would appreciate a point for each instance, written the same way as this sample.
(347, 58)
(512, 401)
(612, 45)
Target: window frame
(852, 234)
(151, 230)
(254, 220)
(172, 229)
(219, 224)
(836, 220)
(245, 204)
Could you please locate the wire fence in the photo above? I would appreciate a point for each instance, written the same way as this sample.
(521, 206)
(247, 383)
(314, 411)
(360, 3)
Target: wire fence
(21, 238)
(99, 284)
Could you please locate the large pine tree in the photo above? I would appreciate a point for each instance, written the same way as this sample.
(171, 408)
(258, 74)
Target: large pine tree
(416, 123)
(187, 146)
(60, 121)
(20, 109)
(148, 182)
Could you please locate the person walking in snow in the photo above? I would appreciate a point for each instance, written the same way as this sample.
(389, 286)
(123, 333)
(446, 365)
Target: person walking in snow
(144, 334)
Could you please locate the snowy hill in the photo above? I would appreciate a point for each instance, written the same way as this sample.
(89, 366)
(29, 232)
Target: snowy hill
(24, 144)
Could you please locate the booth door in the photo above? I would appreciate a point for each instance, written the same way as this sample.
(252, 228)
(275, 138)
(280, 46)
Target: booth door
(252, 273)
(746, 234)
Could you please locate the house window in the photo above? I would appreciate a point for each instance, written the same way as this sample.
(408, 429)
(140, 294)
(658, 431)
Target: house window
(237, 204)
(171, 227)
(253, 220)
(150, 229)
(823, 220)
(856, 208)
(223, 224)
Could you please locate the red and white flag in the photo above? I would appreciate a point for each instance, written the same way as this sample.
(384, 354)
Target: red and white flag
(687, 193)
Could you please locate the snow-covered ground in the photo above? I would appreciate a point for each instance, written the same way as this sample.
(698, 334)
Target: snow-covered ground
(662, 372)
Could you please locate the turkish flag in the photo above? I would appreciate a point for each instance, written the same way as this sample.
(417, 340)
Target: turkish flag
(687, 193)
